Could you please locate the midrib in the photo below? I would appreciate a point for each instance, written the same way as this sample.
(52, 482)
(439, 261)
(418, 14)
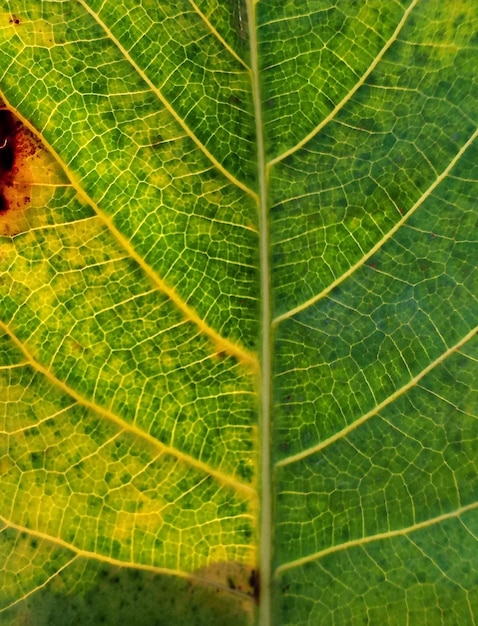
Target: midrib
(265, 528)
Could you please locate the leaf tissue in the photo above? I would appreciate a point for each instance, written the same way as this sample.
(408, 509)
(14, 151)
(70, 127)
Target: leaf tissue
(238, 292)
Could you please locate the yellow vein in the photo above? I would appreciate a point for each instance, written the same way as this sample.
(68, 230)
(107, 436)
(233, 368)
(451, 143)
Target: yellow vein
(43, 420)
(378, 537)
(125, 426)
(218, 35)
(439, 179)
(222, 344)
(399, 392)
(350, 94)
(88, 554)
(235, 181)
(13, 366)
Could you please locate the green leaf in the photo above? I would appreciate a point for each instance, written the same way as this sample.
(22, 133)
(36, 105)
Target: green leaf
(238, 312)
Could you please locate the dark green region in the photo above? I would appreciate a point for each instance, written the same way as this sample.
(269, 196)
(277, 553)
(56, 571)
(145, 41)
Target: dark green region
(92, 594)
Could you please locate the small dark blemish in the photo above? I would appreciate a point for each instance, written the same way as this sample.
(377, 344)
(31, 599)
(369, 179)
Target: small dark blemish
(34, 458)
(254, 582)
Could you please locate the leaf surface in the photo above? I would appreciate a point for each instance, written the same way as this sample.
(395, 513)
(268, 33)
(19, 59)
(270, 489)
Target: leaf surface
(238, 322)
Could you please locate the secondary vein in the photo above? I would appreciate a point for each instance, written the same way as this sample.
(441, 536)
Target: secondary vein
(231, 481)
(364, 418)
(218, 36)
(222, 344)
(235, 181)
(78, 552)
(438, 180)
(378, 537)
(352, 91)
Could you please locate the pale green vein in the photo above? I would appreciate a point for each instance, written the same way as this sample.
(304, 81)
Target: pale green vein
(265, 391)
(218, 36)
(102, 558)
(38, 587)
(438, 180)
(235, 181)
(351, 93)
(394, 396)
(378, 537)
(445, 400)
(225, 479)
(221, 343)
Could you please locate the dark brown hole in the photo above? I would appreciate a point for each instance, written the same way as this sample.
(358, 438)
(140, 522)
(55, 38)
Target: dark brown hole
(7, 136)
(7, 156)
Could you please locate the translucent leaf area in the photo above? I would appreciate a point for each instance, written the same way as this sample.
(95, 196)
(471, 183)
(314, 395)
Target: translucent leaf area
(238, 287)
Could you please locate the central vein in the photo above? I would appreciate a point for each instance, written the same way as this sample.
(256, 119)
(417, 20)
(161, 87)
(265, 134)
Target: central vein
(265, 536)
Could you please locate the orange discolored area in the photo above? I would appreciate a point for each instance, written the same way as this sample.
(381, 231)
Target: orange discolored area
(19, 149)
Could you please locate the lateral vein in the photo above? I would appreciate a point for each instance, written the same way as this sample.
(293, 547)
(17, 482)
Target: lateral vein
(378, 537)
(235, 181)
(438, 180)
(351, 93)
(399, 392)
(87, 554)
(218, 36)
(222, 344)
(125, 426)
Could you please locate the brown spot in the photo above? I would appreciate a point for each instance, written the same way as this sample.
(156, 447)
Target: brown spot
(18, 148)
(14, 20)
